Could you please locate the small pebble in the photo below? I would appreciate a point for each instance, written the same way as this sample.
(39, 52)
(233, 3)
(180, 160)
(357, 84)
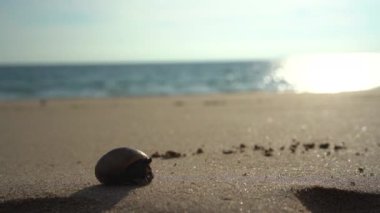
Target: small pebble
(268, 152)
(257, 147)
(226, 152)
(155, 155)
(168, 155)
(171, 154)
(199, 151)
(294, 146)
(308, 146)
(324, 146)
(339, 147)
(226, 198)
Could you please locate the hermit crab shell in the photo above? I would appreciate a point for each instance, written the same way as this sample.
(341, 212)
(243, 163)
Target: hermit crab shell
(124, 166)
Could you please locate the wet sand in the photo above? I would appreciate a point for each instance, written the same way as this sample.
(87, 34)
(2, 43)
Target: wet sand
(259, 152)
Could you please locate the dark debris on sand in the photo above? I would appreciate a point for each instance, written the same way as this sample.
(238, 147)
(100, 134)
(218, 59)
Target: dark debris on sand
(242, 146)
(324, 145)
(308, 146)
(360, 170)
(339, 147)
(199, 151)
(257, 147)
(168, 155)
(172, 154)
(267, 152)
(295, 144)
(228, 151)
(293, 147)
(155, 155)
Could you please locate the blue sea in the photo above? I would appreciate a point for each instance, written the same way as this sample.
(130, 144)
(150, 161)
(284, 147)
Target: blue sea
(124, 80)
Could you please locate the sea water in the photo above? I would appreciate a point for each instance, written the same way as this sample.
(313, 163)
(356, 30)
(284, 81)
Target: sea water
(123, 80)
(317, 73)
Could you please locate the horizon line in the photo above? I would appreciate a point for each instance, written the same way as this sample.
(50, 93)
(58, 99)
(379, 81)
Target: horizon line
(135, 62)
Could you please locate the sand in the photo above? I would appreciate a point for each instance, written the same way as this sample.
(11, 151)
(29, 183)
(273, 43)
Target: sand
(262, 152)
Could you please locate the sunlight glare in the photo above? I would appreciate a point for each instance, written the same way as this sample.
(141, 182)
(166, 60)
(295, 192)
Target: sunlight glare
(332, 73)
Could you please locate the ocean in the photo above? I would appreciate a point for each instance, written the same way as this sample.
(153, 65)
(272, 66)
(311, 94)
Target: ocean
(125, 80)
(316, 73)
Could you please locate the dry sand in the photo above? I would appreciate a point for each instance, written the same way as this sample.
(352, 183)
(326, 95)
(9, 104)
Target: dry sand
(48, 152)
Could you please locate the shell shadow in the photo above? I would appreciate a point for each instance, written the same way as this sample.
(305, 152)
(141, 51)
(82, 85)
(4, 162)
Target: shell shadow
(320, 199)
(97, 198)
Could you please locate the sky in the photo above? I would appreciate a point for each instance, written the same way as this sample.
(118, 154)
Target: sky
(93, 31)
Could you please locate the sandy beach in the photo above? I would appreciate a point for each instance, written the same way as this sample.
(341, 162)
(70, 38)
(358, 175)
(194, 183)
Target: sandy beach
(260, 152)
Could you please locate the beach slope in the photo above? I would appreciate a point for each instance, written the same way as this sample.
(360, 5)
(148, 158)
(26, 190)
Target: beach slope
(252, 152)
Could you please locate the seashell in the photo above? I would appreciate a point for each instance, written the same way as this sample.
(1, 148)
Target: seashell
(124, 166)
